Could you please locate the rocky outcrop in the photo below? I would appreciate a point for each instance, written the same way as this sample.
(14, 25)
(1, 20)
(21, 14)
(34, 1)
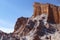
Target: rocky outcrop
(5, 36)
(36, 28)
(51, 10)
(43, 25)
(20, 22)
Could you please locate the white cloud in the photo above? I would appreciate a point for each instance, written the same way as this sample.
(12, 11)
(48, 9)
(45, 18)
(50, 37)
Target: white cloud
(7, 30)
(6, 26)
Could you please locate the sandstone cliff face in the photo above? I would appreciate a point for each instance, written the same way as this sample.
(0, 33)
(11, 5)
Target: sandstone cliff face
(51, 10)
(59, 13)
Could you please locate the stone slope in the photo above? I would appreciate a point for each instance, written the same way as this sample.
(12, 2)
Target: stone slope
(37, 28)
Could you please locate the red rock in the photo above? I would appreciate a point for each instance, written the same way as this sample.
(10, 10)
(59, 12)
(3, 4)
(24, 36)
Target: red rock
(51, 10)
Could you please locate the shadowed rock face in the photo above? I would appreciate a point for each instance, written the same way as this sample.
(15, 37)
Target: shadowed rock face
(20, 21)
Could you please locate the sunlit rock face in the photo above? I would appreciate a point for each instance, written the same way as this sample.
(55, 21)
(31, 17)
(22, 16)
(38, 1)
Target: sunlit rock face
(51, 10)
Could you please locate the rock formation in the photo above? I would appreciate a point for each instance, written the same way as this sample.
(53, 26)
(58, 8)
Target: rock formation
(20, 22)
(36, 28)
(51, 10)
(43, 25)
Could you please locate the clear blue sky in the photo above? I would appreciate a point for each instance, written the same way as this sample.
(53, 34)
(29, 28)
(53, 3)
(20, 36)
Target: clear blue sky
(10, 10)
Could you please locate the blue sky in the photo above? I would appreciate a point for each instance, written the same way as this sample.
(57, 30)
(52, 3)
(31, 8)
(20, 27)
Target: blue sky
(10, 10)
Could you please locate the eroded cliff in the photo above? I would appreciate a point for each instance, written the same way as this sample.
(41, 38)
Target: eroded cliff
(51, 10)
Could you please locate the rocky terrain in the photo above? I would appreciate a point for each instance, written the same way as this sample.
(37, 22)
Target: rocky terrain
(42, 25)
(37, 28)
